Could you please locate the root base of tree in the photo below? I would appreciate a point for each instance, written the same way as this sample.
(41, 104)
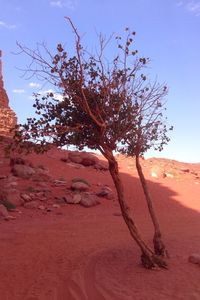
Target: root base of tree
(159, 247)
(151, 261)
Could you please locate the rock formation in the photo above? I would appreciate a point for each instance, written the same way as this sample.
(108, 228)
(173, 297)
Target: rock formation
(8, 119)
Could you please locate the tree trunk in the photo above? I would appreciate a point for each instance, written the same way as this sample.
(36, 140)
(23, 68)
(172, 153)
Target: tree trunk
(148, 257)
(159, 246)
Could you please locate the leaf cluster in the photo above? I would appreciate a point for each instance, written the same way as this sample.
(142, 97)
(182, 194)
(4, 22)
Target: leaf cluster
(104, 104)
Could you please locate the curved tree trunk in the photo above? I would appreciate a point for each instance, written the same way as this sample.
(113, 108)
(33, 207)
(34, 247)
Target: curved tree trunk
(159, 246)
(148, 257)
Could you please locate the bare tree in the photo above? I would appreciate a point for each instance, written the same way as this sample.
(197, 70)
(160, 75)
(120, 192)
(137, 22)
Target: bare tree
(96, 110)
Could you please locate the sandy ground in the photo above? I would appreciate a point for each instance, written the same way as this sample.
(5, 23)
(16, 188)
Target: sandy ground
(88, 254)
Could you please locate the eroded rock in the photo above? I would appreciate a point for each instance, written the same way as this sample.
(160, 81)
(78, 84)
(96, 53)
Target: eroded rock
(194, 258)
(106, 192)
(80, 186)
(23, 171)
(31, 205)
(3, 211)
(89, 200)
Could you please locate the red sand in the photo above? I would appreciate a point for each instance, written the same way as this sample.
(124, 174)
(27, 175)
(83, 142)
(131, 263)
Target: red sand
(88, 254)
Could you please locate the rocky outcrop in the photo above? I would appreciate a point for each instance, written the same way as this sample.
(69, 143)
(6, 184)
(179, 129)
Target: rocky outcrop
(84, 159)
(8, 119)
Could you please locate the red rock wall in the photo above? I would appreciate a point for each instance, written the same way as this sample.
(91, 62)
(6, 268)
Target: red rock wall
(8, 119)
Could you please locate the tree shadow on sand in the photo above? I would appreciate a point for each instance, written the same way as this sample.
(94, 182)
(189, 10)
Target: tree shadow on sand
(115, 272)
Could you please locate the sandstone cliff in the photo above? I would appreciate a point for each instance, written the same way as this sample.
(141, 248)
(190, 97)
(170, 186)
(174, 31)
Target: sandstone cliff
(8, 119)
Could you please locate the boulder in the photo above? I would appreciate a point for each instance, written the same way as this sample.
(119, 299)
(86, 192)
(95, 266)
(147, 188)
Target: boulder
(75, 157)
(88, 159)
(69, 199)
(23, 171)
(84, 158)
(40, 170)
(12, 196)
(89, 200)
(101, 165)
(77, 198)
(41, 177)
(80, 186)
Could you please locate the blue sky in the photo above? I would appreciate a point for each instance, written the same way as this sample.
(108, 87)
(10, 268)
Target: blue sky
(167, 32)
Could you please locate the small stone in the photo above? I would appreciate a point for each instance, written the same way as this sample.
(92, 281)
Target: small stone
(59, 213)
(194, 258)
(74, 165)
(42, 184)
(168, 175)
(101, 166)
(26, 197)
(56, 205)
(42, 171)
(106, 192)
(49, 209)
(3, 211)
(77, 198)
(117, 214)
(31, 205)
(64, 159)
(41, 207)
(59, 182)
(69, 199)
(8, 218)
(185, 170)
(194, 173)
(41, 177)
(60, 200)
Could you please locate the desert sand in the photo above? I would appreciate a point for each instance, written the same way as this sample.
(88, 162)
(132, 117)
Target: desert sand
(71, 252)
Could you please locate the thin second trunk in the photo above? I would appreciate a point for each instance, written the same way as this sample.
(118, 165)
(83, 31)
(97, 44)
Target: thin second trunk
(159, 246)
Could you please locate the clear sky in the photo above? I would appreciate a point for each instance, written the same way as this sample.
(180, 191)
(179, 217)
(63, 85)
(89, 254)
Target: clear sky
(167, 31)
